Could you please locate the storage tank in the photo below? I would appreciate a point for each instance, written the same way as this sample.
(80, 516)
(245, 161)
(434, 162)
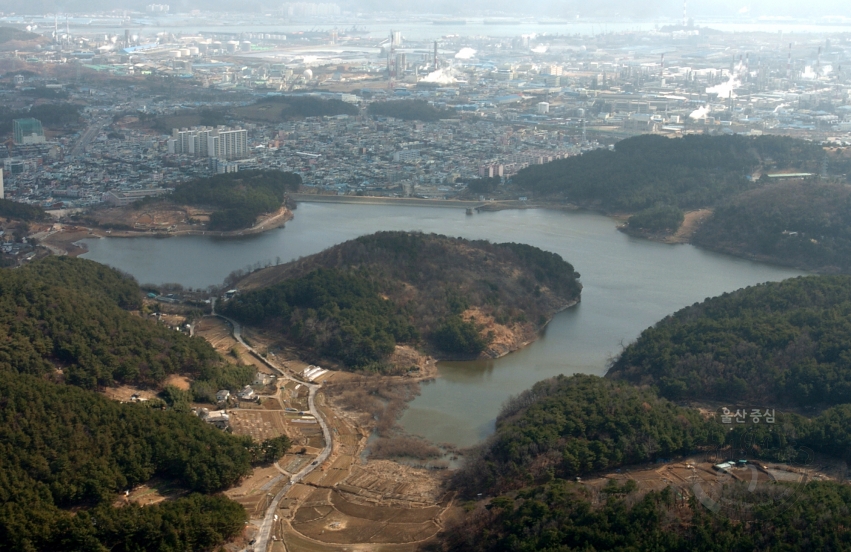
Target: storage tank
(194, 51)
(184, 52)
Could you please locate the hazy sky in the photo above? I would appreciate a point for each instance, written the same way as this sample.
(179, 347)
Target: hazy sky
(557, 8)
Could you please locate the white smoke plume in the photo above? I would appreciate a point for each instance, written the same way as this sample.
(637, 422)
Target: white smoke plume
(465, 53)
(540, 49)
(700, 112)
(441, 76)
(726, 89)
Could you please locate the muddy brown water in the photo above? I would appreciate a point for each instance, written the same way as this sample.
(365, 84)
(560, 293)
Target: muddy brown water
(629, 284)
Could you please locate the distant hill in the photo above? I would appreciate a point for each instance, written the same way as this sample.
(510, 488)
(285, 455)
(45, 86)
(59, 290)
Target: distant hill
(457, 298)
(649, 171)
(801, 224)
(410, 110)
(776, 343)
(309, 106)
(9, 33)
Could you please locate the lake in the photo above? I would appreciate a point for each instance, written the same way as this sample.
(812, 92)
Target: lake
(629, 284)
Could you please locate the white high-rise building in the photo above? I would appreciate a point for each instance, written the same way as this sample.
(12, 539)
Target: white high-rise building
(182, 141)
(221, 142)
(225, 143)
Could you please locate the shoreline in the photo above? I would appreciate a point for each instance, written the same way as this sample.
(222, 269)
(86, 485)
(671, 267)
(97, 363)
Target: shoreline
(523, 345)
(480, 206)
(70, 241)
(275, 220)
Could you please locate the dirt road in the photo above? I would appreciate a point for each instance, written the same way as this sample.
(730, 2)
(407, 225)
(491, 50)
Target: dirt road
(265, 532)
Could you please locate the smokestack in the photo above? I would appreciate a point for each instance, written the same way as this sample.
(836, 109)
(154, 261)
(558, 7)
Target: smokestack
(662, 69)
(435, 56)
(789, 63)
(685, 17)
(390, 60)
(818, 61)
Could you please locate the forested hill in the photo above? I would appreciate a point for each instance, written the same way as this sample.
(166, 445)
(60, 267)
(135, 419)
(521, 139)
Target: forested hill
(802, 224)
(541, 479)
(239, 198)
(532, 500)
(569, 426)
(356, 301)
(69, 314)
(646, 171)
(781, 343)
(62, 447)
(66, 452)
(294, 106)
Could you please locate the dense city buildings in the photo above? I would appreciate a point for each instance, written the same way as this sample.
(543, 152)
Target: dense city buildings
(128, 110)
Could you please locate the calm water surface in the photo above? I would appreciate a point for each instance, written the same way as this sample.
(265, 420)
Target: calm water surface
(629, 285)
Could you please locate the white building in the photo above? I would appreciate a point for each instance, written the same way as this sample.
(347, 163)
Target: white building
(225, 143)
(221, 142)
(403, 156)
(247, 394)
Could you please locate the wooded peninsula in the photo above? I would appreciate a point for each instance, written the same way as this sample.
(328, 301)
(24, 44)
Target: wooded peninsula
(778, 343)
(451, 297)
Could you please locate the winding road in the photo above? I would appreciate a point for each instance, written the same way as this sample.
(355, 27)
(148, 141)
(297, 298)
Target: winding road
(266, 527)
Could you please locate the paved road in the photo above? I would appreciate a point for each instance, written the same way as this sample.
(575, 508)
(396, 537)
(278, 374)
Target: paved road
(266, 527)
(91, 132)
